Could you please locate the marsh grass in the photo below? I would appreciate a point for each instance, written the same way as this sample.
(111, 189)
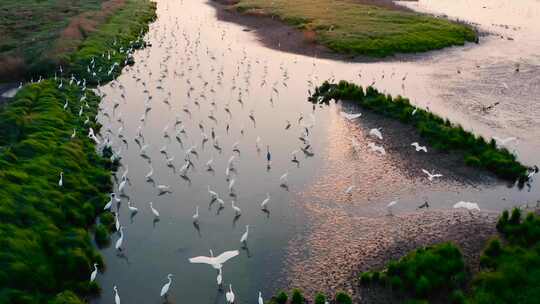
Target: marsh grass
(423, 273)
(45, 243)
(510, 267)
(34, 39)
(46, 249)
(438, 132)
(370, 28)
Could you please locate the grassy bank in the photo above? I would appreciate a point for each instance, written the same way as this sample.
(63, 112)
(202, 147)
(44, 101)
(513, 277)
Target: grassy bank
(438, 132)
(46, 251)
(510, 265)
(39, 36)
(45, 245)
(425, 273)
(371, 28)
(509, 268)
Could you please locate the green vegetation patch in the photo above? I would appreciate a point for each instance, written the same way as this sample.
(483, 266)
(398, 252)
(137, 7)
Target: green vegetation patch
(439, 133)
(376, 29)
(424, 272)
(510, 267)
(112, 43)
(45, 246)
(37, 36)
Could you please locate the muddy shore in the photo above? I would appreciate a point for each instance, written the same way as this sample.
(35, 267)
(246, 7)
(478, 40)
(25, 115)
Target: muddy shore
(347, 245)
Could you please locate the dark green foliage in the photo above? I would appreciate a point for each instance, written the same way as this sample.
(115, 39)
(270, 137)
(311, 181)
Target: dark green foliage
(297, 297)
(281, 298)
(439, 133)
(320, 298)
(457, 297)
(45, 246)
(66, 297)
(343, 298)
(102, 235)
(510, 270)
(122, 31)
(426, 271)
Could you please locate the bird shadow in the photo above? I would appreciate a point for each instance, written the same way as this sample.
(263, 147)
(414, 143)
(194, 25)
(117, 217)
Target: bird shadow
(154, 222)
(266, 212)
(197, 228)
(245, 248)
(235, 219)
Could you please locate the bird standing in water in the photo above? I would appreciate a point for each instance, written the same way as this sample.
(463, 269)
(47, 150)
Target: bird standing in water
(268, 156)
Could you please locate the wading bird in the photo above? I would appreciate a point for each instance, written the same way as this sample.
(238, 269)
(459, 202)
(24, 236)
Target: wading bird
(216, 262)
(154, 211)
(230, 295)
(431, 176)
(165, 288)
(244, 237)
(94, 273)
(418, 147)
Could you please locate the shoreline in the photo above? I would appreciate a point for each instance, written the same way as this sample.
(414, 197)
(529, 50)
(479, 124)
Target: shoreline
(277, 35)
(360, 244)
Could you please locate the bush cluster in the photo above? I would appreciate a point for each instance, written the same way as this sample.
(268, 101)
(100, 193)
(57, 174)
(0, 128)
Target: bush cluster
(423, 273)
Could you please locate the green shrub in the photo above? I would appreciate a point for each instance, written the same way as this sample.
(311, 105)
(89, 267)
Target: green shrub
(423, 286)
(282, 298)
(297, 297)
(343, 298)
(457, 297)
(320, 298)
(102, 235)
(366, 277)
(66, 297)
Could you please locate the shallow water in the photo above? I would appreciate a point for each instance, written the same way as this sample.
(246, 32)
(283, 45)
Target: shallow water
(193, 57)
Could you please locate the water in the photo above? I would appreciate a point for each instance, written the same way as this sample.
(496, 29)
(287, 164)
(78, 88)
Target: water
(194, 58)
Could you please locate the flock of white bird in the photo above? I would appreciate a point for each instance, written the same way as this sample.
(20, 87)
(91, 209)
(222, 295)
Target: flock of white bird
(169, 39)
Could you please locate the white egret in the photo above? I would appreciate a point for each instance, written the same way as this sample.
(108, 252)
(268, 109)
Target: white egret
(215, 262)
(418, 147)
(154, 211)
(431, 176)
(376, 148)
(94, 273)
(109, 204)
(116, 221)
(61, 180)
(230, 295)
(165, 288)
(351, 116)
(122, 185)
(150, 173)
(196, 215)
(260, 299)
(349, 189)
(219, 278)
(237, 210)
(163, 188)
(244, 237)
(213, 194)
(231, 185)
(209, 164)
(116, 296)
(376, 133)
(467, 205)
(120, 240)
(284, 179)
(131, 208)
(265, 201)
(390, 205)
